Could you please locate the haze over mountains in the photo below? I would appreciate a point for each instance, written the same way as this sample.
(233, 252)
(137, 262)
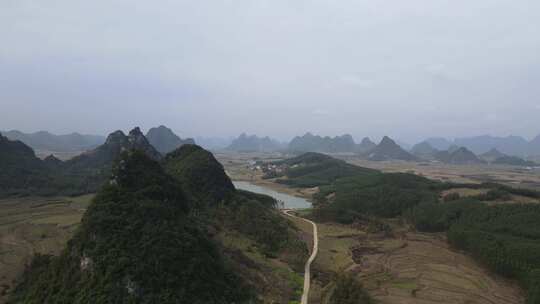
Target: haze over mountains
(165, 141)
(387, 149)
(512, 150)
(253, 143)
(46, 141)
(511, 145)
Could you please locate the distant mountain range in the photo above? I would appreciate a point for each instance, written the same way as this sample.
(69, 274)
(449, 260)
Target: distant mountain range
(316, 143)
(46, 141)
(253, 143)
(388, 149)
(165, 141)
(21, 172)
(365, 145)
(459, 156)
(104, 155)
(509, 145)
(463, 156)
(213, 143)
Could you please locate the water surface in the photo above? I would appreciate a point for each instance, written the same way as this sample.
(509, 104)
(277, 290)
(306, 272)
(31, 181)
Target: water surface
(289, 201)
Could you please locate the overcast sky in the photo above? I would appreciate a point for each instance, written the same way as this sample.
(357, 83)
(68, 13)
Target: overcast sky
(409, 69)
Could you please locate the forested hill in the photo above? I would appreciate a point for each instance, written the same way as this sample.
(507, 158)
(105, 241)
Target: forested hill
(136, 244)
(152, 237)
(165, 141)
(20, 169)
(201, 175)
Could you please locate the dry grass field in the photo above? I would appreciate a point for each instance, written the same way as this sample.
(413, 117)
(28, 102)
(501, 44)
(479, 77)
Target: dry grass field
(509, 175)
(34, 225)
(405, 267)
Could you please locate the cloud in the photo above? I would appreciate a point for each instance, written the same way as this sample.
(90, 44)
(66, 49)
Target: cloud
(355, 81)
(320, 112)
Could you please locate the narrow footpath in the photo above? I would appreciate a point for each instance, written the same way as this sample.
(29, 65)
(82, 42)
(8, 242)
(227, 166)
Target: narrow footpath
(307, 270)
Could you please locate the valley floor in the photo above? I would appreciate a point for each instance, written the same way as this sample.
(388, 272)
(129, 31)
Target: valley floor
(402, 266)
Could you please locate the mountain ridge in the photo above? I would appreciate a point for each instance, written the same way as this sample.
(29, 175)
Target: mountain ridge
(165, 140)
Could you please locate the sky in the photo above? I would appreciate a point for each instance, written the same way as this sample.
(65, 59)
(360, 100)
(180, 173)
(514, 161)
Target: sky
(409, 69)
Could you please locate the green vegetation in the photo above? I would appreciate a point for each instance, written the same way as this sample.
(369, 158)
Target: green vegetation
(148, 237)
(202, 176)
(348, 290)
(504, 237)
(314, 169)
(376, 194)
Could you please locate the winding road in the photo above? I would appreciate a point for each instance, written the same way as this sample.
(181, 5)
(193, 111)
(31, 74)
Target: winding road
(307, 270)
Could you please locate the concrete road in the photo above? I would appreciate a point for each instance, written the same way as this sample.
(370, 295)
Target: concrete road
(307, 270)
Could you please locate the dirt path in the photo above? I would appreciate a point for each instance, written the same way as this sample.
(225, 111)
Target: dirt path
(307, 270)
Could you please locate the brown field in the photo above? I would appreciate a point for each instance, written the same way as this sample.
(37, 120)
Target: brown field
(34, 225)
(512, 176)
(405, 267)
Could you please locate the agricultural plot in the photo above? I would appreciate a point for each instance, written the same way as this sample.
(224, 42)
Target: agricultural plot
(406, 267)
(34, 225)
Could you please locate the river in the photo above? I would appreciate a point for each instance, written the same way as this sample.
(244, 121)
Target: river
(290, 202)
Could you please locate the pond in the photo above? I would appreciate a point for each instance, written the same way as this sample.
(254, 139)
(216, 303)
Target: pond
(289, 201)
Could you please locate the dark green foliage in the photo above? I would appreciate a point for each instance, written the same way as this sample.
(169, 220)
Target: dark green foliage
(265, 200)
(533, 287)
(385, 195)
(494, 186)
(136, 244)
(314, 169)
(252, 218)
(349, 291)
(438, 217)
(22, 173)
(504, 237)
(451, 197)
(202, 176)
(496, 194)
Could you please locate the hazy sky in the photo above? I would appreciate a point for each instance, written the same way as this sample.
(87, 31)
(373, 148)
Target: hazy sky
(409, 69)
